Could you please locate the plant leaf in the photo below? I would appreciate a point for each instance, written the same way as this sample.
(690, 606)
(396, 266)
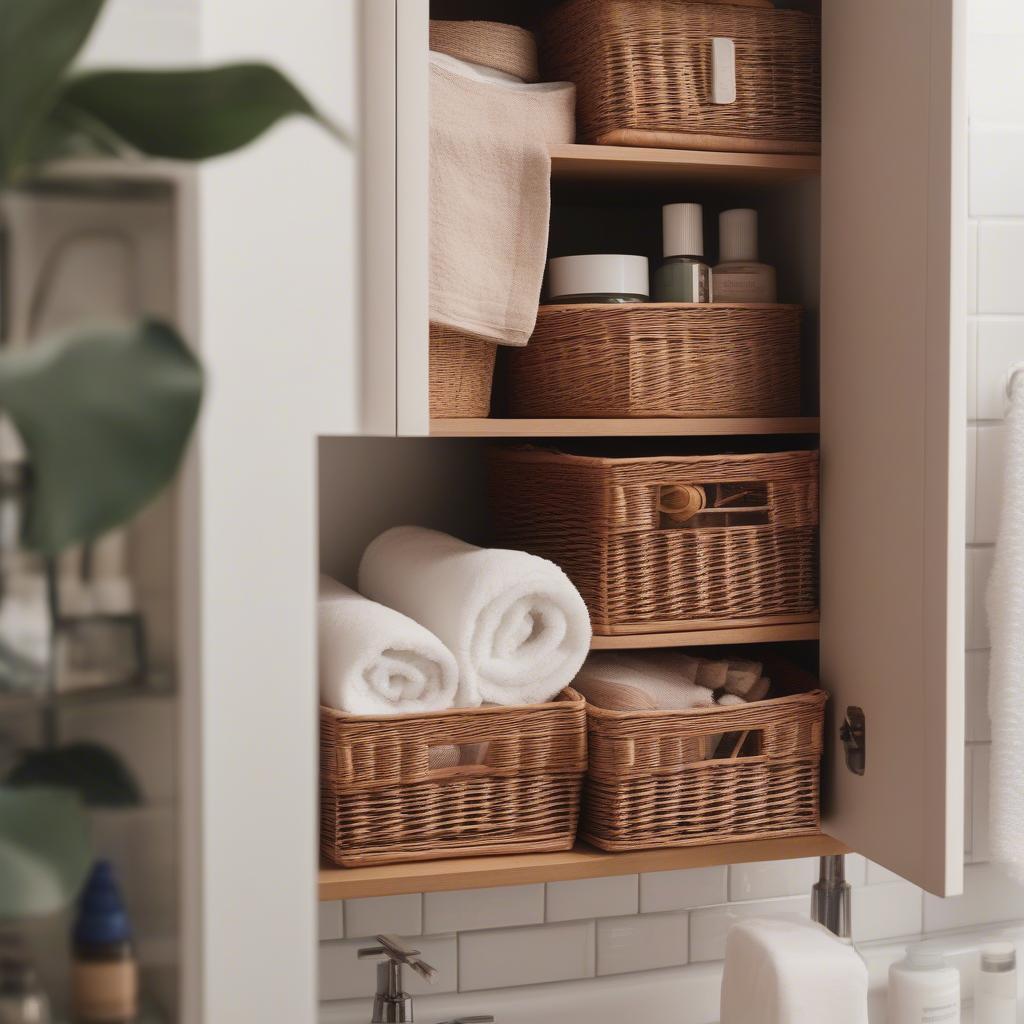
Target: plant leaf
(98, 776)
(105, 415)
(188, 114)
(38, 40)
(45, 850)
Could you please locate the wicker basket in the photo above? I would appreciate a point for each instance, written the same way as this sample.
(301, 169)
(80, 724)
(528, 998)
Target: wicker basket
(643, 74)
(381, 801)
(655, 359)
(652, 780)
(461, 372)
(626, 533)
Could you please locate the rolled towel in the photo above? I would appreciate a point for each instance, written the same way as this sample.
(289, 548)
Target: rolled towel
(376, 661)
(518, 628)
(742, 677)
(620, 682)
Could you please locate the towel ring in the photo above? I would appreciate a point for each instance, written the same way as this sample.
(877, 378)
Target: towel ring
(1011, 378)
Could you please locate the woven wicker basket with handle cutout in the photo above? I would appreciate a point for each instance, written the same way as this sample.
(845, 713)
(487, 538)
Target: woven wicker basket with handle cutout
(654, 778)
(617, 529)
(385, 799)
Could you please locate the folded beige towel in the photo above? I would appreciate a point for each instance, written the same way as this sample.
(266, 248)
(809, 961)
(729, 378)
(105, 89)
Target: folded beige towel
(506, 48)
(490, 185)
(733, 675)
(622, 682)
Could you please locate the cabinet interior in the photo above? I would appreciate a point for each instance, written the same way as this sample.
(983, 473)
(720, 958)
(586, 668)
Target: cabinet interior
(441, 482)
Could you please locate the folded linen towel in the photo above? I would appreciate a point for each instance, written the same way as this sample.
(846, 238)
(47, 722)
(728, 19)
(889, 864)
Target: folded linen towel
(622, 682)
(490, 184)
(374, 660)
(518, 628)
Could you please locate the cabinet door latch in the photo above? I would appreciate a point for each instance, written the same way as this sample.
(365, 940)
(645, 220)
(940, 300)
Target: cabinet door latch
(853, 734)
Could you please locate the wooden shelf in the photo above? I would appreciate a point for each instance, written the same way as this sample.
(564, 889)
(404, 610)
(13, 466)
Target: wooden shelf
(581, 862)
(623, 427)
(711, 636)
(633, 165)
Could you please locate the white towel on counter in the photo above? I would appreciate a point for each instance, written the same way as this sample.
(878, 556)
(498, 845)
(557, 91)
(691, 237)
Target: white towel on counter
(624, 682)
(376, 661)
(518, 628)
(1006, 670)
(786, 970)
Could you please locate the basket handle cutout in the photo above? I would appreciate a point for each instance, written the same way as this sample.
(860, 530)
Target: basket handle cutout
(736, 746)
(695, 506)
(458, 760)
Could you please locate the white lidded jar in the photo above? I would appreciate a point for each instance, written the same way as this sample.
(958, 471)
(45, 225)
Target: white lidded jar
(923, 989)
(604, 277)
(995, 991)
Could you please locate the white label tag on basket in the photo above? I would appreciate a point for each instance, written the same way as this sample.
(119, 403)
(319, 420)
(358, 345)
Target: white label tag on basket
(723, 70)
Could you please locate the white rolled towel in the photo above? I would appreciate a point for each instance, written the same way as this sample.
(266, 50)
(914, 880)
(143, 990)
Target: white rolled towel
(517, 626)
(376, 661)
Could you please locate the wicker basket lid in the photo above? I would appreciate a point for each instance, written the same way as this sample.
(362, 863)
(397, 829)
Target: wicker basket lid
(506, 48)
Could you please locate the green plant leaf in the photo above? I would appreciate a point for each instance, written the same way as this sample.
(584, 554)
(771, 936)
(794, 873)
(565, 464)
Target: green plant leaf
(45, 850)
(105, 415)
(188, 114)
(38, 40)
(97, 775)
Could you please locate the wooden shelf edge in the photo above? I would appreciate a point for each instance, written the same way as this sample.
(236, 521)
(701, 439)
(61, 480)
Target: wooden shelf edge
(653, 427)
(590, 163)
(709, 637)
(580, 862)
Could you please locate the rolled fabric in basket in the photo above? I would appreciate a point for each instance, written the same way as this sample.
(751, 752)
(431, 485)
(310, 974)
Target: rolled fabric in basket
(376, 661)
(622, 682)
(518, 628)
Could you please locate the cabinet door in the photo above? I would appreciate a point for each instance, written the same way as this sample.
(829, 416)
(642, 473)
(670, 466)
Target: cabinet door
(893, 427)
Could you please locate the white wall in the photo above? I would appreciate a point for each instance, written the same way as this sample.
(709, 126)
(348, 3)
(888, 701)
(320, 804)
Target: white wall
(503, 938)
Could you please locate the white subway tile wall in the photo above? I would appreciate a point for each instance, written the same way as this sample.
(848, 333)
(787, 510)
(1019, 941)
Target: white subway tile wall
(684, 915)
(501, 907)
(526, 956)
(642, 943)
(330, 920)
(384, 915)
(681, 890)
(592, 897)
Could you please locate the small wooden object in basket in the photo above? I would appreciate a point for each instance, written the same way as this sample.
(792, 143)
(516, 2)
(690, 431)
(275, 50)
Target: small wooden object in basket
(658, 359)
(645, 74)
(381, 801)
(653, 780)
(614, 525)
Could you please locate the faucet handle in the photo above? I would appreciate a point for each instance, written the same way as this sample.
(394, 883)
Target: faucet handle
(398, 953)
(488, 1019)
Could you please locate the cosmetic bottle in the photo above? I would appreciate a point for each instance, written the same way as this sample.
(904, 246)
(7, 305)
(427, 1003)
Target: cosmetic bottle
(22, 1000)
(739, 277)
(684, 276)
(104, 974)
(923, 989)
(995, 990)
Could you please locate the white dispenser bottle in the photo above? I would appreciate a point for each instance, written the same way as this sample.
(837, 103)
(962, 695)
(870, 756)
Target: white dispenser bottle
(995, 991)
(923, 989)
(739, 277)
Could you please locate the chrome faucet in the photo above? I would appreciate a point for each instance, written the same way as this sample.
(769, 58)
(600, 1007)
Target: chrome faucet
(391, 1005)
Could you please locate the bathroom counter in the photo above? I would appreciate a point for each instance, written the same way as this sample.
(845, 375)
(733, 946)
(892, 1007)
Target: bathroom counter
(690, 993)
